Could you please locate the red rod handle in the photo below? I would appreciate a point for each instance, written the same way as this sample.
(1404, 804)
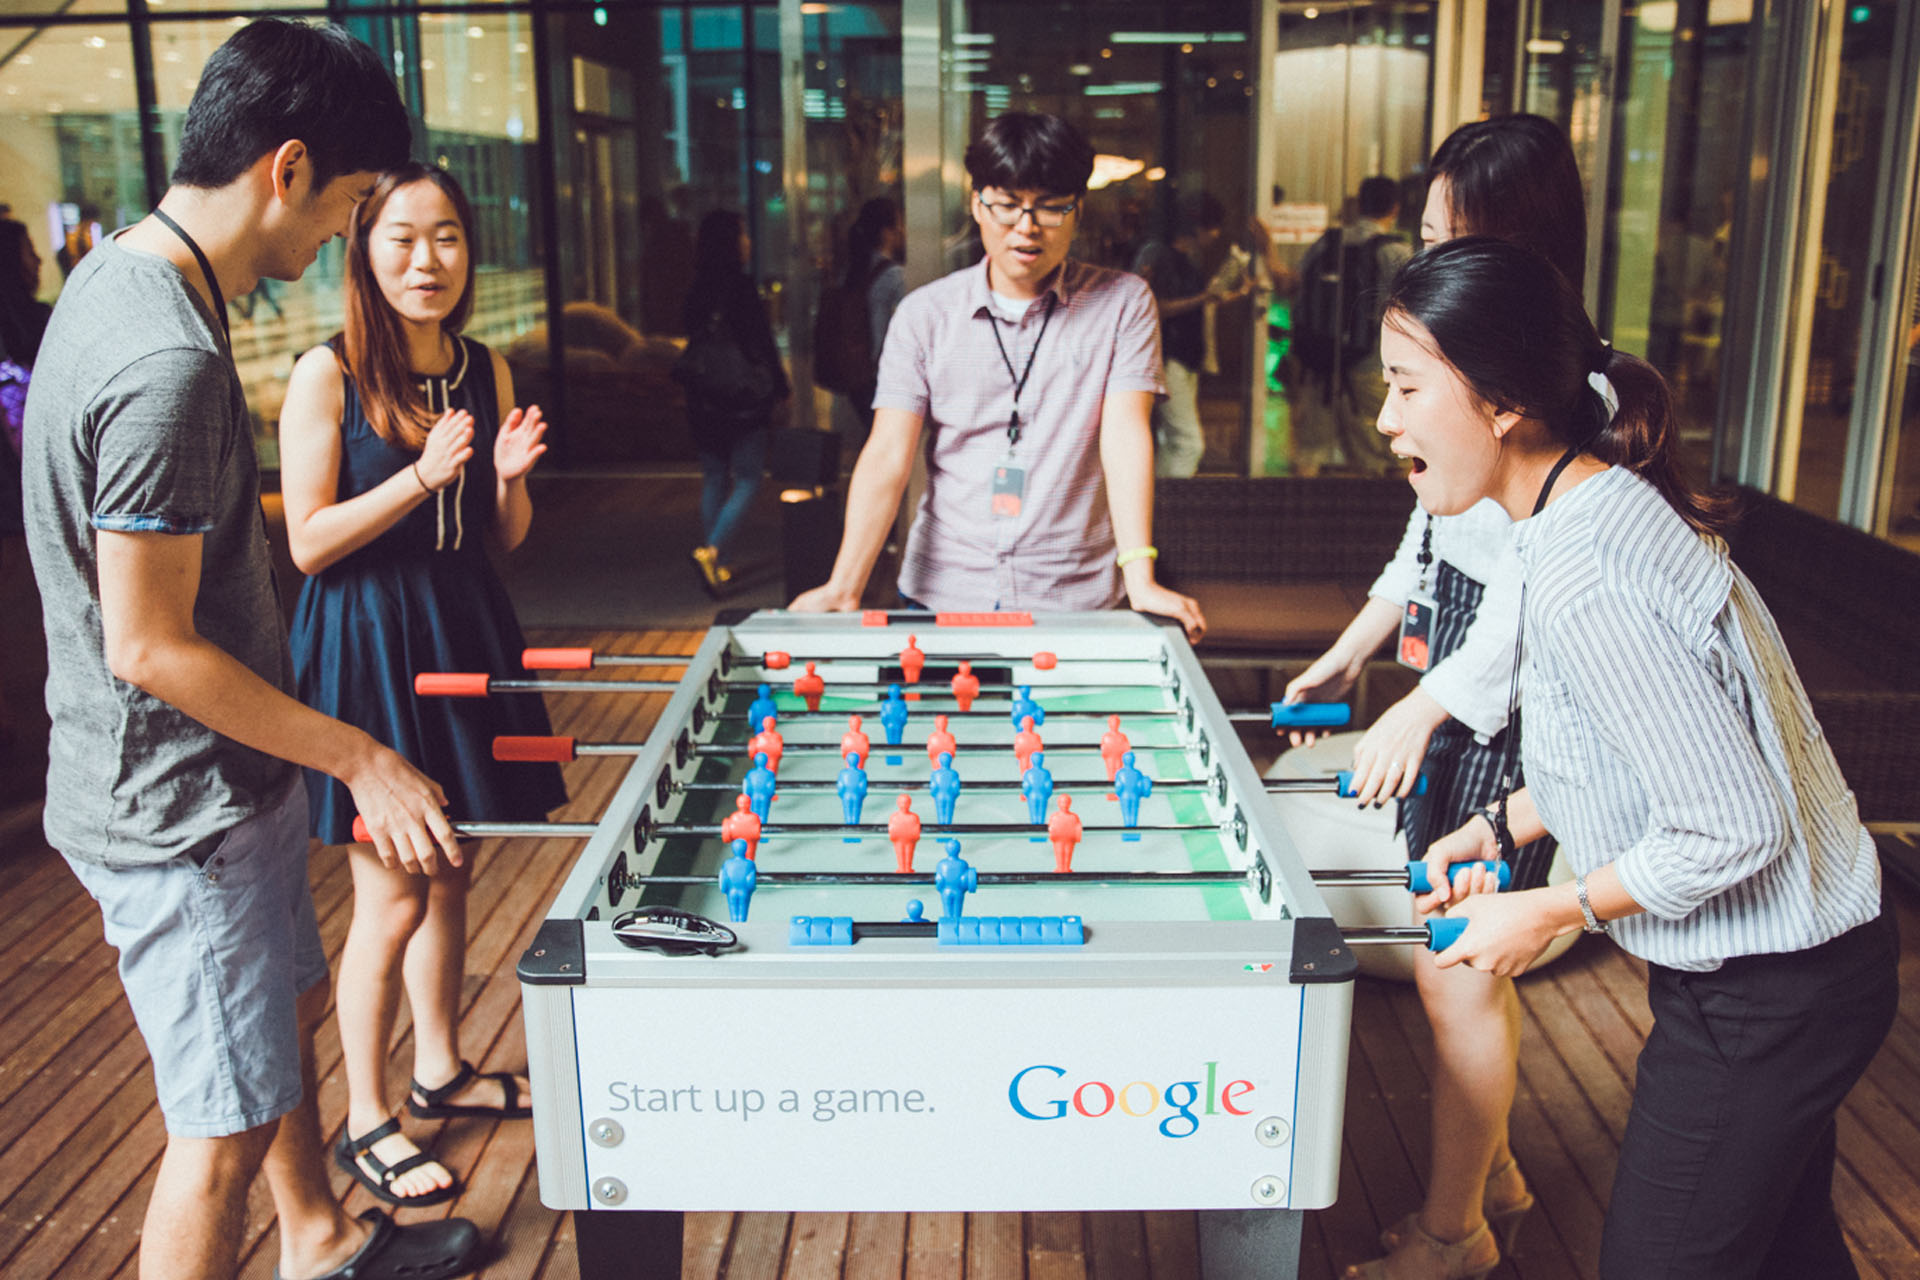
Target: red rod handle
(451, 684)
(775, 660)
(532, 750)
(361, 835)
(557, 659)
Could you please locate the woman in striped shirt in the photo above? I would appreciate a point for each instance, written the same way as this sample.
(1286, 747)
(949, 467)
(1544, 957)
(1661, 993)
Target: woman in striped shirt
(1669, 746)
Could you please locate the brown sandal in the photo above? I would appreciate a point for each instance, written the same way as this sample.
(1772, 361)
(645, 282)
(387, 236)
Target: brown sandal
(349, 1152)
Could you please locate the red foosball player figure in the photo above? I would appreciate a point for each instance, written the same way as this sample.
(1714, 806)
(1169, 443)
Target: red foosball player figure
(810, 686)
(966, 686)
(1025, 743)
(912, 661)
(940, 740)
(1064, 829)
(853, 742)
(903, 828)
(769, 741)
(742, 824)
(1113, 745)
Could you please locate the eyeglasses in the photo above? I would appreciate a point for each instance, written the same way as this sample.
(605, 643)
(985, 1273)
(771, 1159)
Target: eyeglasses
(1008, 214)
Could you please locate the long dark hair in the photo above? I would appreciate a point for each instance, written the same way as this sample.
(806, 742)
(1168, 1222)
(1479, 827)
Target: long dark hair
(1520, 336)
(1515, 177)
(716, 248)
(876, 216)
(371, 338)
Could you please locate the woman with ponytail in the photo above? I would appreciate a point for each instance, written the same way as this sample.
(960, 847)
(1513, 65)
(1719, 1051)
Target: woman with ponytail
(1669, 746)
(1512, 177)
(402, 460)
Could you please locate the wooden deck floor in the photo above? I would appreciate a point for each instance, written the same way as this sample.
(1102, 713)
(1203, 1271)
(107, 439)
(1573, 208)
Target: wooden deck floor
(80, 1136)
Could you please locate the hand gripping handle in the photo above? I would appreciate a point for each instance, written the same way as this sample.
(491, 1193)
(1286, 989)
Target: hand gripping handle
(557, 659)
(525, 750)
(1343, 780)
(452, 684)
(1311, 715)
(1419, 882)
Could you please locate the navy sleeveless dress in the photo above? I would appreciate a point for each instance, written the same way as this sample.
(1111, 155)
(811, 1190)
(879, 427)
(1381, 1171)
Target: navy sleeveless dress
(422, 597)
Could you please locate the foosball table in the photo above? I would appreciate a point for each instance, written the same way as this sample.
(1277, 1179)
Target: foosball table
(916, 912)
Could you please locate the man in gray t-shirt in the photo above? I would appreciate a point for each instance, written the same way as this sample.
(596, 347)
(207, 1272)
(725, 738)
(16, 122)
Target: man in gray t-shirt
(144, 429)
(172, 786)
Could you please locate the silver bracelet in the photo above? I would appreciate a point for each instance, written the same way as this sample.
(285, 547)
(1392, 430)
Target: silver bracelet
(1594, 924)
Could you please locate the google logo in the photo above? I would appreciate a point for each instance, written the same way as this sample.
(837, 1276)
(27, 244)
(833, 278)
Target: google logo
(1095, 1099)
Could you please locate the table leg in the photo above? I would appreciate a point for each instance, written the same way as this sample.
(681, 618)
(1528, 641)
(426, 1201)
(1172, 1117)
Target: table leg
(1250, 1244)
(615, 1244)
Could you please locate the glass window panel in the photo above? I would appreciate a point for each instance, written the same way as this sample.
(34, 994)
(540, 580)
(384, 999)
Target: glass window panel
(64, 8)
(1351, 99)
(1165, 94)
(1902, 475)
(852, 105)
(70, 148)
(1676, 166)
(478, 107)
(279, 319)
(1810, 473)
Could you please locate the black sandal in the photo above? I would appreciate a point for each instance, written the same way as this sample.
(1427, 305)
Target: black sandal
(434, 1250)
(431, 1104)
(349, 1152)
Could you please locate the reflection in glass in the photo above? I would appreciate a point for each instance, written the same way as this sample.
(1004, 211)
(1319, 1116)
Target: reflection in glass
(1351, 100)
(1902, 475)
(1670, 214)
(1810, 474)
(70, 149)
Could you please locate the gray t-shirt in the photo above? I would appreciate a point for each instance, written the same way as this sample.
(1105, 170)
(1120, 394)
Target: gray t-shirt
(136, 422)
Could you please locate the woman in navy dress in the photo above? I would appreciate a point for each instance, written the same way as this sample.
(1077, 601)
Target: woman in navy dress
(403, 460)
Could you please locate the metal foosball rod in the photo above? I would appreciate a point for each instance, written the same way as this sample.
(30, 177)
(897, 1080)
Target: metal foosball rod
(1412, 878)
(878, 830)
(1341, 784)
(587, 659)
(479, 684)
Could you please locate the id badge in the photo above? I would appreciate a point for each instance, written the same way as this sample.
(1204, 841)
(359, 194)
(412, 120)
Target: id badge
(1416, 632)
(1009, 488)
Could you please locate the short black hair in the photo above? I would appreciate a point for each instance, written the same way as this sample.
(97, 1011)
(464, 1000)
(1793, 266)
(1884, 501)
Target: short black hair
(1023, 151)
(1379, 196)
(1200, 212)
(273, 81)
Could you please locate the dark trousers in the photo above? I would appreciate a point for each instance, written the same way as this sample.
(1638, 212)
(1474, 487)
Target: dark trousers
(1726, 1170)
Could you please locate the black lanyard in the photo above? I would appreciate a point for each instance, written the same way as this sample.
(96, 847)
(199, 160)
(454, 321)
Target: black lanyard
(1510, 753)
(1020, 380)
(206, 269)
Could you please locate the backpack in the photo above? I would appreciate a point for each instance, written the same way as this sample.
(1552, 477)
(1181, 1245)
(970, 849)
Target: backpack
(721, 378)
(843, 338)
(1336, 314)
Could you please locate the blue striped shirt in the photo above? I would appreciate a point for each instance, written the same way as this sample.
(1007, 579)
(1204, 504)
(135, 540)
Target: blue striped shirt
(1667, 732)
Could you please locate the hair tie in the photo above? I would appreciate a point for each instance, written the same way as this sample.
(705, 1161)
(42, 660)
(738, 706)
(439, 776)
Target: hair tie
(1603, 386)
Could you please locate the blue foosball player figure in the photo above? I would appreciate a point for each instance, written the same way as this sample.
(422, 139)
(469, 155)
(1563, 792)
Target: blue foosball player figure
(763, 706)
(737, 878)
(1024, 705)
(1132, 786)
(852, 787)
(955, 878)
(893, 716)
(944, 784)
(759, 787)
(1036, 784)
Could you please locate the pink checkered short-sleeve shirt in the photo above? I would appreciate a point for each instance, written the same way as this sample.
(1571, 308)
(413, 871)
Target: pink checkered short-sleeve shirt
(941, 364)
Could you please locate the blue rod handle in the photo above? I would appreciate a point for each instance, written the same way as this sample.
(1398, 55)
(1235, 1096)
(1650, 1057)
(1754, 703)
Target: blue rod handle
(1343, 782)
(1444, 931)
(1417, 881)
(1311, 715)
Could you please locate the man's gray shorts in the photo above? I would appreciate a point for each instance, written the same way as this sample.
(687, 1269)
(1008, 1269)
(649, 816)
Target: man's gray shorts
(213, 956)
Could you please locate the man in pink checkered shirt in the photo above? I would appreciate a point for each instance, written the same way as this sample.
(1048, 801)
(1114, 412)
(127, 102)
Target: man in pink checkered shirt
(1036, 377)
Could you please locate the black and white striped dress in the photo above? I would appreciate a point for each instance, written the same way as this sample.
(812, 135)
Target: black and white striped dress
(1463, 773)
